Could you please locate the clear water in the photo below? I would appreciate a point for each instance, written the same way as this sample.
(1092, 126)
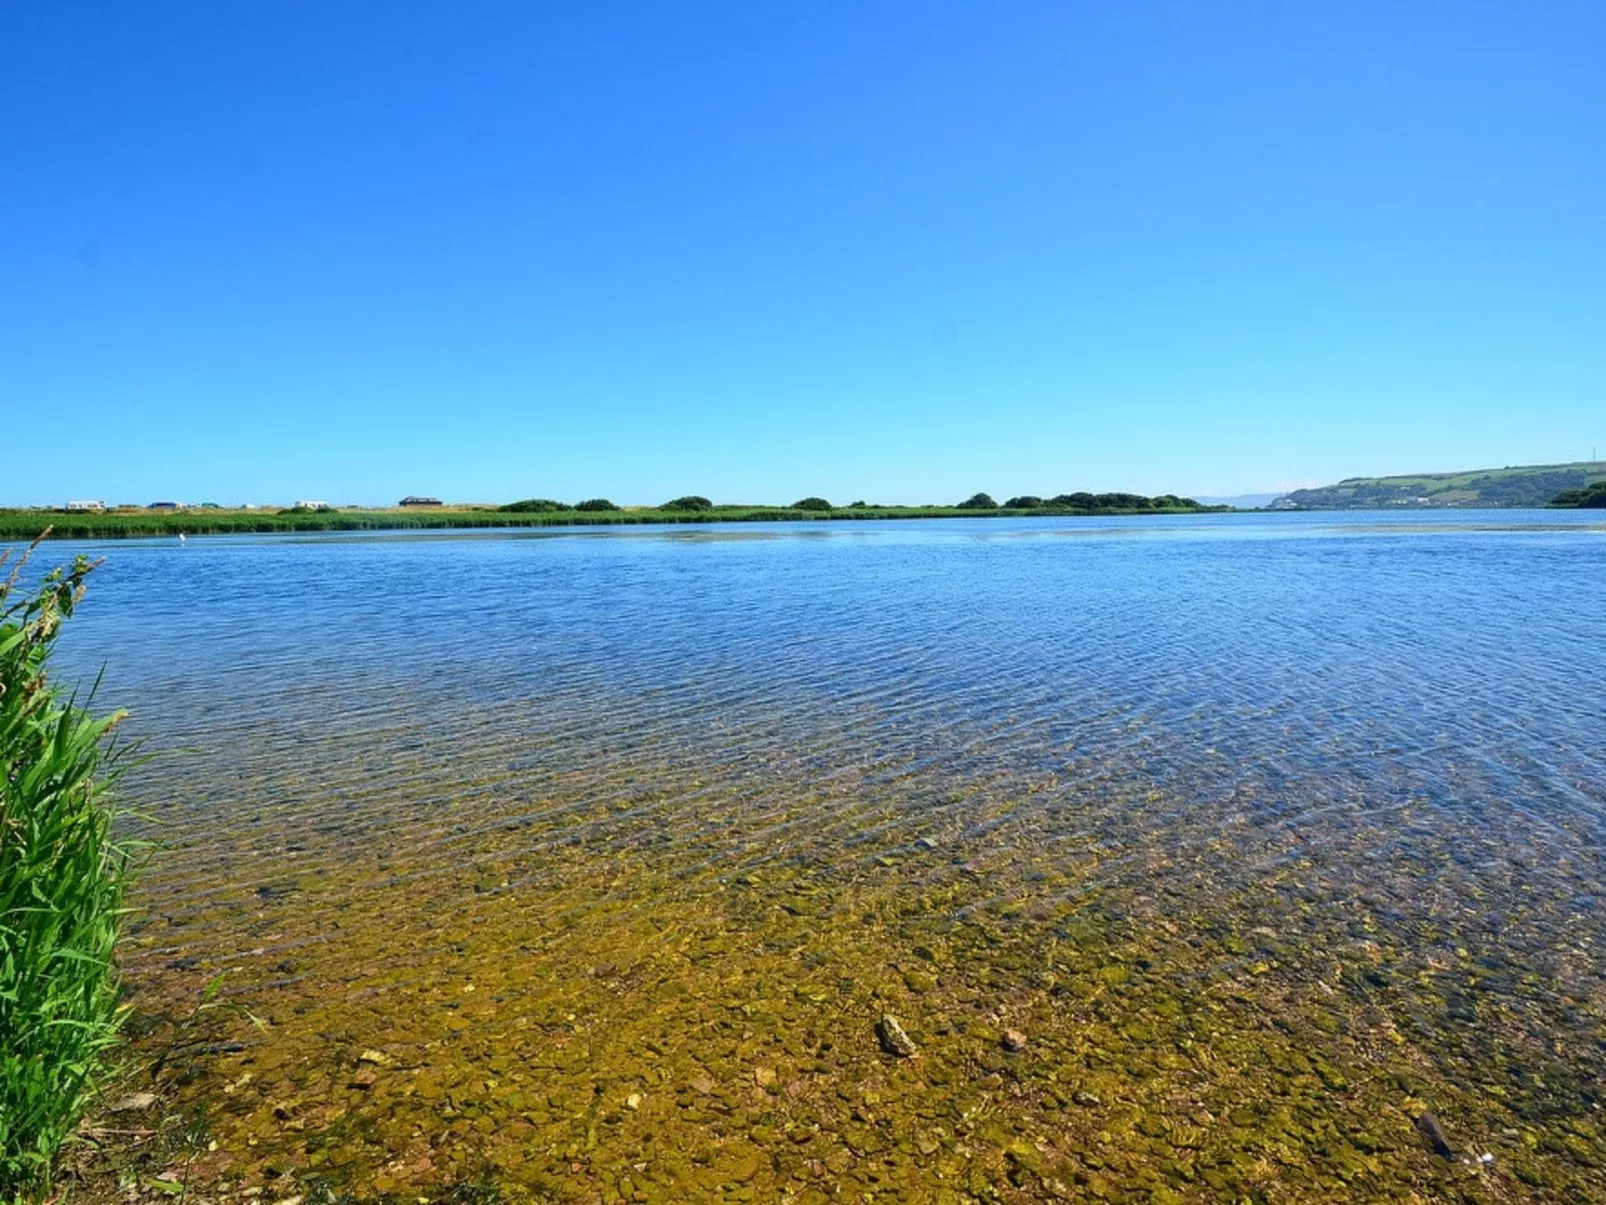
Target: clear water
(1267, 832)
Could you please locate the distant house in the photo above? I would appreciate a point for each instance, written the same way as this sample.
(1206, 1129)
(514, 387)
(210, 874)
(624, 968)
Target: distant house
(306, 505)
(416, 500)
(89, 504)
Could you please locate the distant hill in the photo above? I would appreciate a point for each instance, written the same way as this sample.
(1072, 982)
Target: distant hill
(1240, 501)
(1520, 485)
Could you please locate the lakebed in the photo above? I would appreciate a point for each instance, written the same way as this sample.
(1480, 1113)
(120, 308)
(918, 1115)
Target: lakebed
(581, 865)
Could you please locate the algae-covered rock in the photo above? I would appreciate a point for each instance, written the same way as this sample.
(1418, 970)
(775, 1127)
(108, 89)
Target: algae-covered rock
(919, 982)
(890, 1033)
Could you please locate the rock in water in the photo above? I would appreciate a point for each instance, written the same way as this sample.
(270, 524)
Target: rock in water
(1434, 1133)
(893, 1039)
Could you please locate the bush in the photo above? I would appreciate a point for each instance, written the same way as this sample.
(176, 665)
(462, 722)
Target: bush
(812, 504)
(1024, 502)
(1123, 501)
(1592, 496)
(1077, 501)
(62, 880)
(688, 502)
(535, 506)
(979, 502)
(595, 504)
(859, 505)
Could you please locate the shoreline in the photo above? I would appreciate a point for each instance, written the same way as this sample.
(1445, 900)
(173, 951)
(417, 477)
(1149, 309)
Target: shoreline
(31, 524)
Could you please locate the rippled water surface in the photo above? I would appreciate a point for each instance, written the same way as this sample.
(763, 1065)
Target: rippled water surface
(581, 865)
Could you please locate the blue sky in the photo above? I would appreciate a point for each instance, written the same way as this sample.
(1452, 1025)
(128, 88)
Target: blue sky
(255, 252)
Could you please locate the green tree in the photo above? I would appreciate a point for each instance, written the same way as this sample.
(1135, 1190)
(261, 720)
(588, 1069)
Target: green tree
(1591, 496)
(1081, 500)
(536, 506)
(688, 502)
(979, 502)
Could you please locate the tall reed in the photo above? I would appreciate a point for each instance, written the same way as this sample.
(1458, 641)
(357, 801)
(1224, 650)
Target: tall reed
(63, 873)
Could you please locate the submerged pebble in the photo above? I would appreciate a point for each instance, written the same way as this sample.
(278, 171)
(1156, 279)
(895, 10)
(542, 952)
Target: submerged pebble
(1433, 1131)
(893, 1039)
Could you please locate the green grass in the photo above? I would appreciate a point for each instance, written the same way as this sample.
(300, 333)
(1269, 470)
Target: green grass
(29, 524)
(62, 879)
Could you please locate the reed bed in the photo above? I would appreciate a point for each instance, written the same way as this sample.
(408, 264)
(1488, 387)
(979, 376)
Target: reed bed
(63, 874)
(118, 524)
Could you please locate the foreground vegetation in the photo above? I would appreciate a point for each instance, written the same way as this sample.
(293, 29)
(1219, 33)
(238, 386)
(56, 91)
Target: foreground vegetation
(1592, 496)
(62, 877)
(1520, 485)
(546, 512)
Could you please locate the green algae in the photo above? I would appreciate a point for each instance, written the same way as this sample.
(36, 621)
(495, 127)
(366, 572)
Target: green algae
(585, 1003)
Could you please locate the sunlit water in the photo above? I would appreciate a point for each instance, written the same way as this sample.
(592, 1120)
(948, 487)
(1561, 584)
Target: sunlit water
(611, 847)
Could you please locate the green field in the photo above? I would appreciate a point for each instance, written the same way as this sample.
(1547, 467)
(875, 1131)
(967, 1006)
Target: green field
(116, 524)
(1519, 485)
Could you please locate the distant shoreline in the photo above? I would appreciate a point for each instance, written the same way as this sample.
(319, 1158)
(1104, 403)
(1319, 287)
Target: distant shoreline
(131, 524)
(1536, 485)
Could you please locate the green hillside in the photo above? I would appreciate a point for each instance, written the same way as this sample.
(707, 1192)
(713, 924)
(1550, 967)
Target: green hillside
(1520, 485)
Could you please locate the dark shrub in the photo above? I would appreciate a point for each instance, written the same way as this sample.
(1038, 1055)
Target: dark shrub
(595, 504)
(1077, 501)
(688, 502)
(859, 505)
(812, 504)
(535, 506)
(1024, 502)
(979, 502)
(1591, 497)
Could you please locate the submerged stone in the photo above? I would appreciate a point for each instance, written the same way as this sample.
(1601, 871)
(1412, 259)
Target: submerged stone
(893, 1039)
(1430, 1128)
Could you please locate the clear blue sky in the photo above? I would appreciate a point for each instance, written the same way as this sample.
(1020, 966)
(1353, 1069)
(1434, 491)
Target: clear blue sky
(256, 252)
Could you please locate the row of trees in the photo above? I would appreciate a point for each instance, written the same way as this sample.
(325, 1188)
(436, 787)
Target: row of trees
(1081, 501)
(540, 506)
(693, 503)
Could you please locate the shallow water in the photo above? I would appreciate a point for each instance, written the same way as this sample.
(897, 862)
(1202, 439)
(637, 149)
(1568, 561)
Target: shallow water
(609, 849)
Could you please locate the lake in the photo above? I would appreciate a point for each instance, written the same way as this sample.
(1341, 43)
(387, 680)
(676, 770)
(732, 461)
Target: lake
(581, 864)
